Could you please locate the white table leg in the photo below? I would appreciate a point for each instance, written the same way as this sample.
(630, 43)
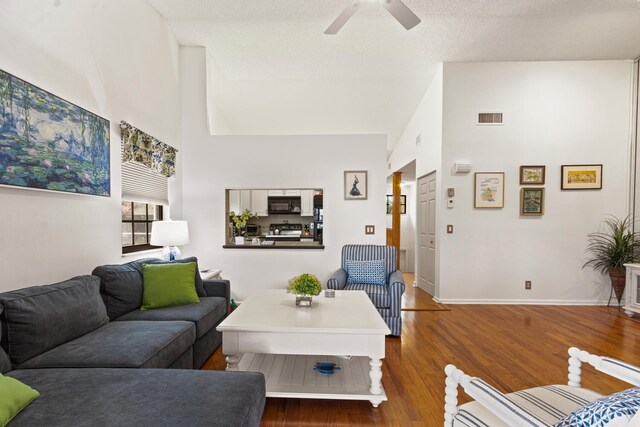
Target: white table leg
(232, 361)
(376, 375)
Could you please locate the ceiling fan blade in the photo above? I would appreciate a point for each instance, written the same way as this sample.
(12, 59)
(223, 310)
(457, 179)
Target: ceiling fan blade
(342, 18)
(402, 13)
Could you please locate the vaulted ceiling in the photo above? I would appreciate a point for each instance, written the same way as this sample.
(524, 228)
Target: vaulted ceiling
(280, 74)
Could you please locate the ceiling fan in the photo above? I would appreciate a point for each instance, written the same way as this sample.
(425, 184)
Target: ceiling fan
(396, 8)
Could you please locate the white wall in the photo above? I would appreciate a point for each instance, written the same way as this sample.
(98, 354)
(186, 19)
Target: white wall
(116, 58)
(555, 113)
(426, 122)
(215, 163)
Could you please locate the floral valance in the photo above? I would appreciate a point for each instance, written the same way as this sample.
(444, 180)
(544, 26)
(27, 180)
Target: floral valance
(142, 148)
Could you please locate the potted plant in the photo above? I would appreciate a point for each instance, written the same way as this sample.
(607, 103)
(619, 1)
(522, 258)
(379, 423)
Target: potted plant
(305, 286)
(610, 249)
(240, 223)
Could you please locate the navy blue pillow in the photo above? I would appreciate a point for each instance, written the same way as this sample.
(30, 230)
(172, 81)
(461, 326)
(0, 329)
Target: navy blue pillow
(366, 272)
(617, 407)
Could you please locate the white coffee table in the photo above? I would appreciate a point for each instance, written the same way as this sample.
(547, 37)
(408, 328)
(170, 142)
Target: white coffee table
(269, 334)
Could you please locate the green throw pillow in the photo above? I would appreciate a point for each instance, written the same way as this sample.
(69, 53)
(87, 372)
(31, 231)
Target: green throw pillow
(169, 285)
(14, 397)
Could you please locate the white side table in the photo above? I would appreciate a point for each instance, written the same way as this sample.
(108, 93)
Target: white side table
(210, 273)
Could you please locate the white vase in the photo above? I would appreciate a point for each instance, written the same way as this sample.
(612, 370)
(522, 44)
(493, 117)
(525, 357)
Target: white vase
(239, 240)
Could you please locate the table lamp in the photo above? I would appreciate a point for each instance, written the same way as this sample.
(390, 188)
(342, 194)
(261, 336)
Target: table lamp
(170, 234)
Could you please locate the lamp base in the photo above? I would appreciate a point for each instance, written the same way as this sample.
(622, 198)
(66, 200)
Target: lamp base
(171, 253)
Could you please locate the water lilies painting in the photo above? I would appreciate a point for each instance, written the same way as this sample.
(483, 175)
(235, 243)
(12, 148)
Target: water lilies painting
(48, 143)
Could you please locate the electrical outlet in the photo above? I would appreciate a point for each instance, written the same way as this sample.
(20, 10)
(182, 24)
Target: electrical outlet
(527, 284)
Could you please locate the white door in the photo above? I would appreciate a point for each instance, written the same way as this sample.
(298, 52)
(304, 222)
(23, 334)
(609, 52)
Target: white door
(245, 200)
(426, 277)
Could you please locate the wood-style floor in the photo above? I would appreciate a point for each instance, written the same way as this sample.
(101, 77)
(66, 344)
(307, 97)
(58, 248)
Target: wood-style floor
(512, 347)
(416, 298)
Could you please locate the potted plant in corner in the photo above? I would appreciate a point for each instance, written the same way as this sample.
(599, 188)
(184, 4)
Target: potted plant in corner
(240, 224)
(305, 286)
(610, 249)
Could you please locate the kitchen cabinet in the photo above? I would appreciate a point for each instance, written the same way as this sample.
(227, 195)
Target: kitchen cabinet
(306, 201)
(284, 193)
(239, 200)
(259, 202)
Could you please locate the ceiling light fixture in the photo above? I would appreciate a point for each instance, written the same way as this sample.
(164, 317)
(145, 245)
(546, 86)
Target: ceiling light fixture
(396, 8)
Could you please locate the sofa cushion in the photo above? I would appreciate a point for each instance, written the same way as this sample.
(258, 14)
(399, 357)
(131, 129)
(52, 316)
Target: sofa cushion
(137, 344)
(379, 295)
(5, 363)
(205, 315)
(14, 397)
(168, 285)
(40, 318)
(142, 397)
(121, 285)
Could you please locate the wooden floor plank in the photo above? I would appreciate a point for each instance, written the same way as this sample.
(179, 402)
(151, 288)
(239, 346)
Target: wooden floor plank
(512, 347)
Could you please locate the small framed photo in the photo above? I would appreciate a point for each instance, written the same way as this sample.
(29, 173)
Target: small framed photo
(355, 185)
(581, 177)
(532, 175)
(532, 201)
(488, 190)
(403, 204)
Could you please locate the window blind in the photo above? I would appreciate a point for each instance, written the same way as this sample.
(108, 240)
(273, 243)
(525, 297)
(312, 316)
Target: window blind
(141, 184)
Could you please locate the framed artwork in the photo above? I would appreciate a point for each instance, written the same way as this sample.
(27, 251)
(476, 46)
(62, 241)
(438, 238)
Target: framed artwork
(403, 204)
(532, 175)
(532, 201)
(581, 177)
(488, 190)
(48, 143)
(355, 185)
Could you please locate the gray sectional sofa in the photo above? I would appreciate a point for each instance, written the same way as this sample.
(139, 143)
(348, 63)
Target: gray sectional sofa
(77, 341)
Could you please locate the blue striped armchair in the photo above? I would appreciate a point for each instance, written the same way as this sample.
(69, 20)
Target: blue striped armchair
(387, 298)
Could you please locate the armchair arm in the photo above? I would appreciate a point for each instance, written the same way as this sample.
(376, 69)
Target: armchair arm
(493, 400)
(218, 288)
(396, 281)
(613, 367)
(338, 280)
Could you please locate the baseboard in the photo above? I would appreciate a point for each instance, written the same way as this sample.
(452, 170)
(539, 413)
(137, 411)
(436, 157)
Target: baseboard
(522, 302)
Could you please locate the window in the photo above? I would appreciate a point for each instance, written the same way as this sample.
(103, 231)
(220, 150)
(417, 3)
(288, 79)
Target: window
(137, 220)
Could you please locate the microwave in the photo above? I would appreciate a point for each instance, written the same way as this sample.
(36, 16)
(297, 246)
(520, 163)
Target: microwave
(253, 230)
(284, 205)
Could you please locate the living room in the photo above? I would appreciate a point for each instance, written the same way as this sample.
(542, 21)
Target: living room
(247, 104)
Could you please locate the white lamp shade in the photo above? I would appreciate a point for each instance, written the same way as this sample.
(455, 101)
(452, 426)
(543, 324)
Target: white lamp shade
(169, 233)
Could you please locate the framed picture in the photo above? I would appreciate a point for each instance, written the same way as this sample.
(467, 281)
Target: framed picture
(532, 201)
(403, 204)
(48, 143)
(488, 190)
(355, 185)
(581, 177)
(532, 175)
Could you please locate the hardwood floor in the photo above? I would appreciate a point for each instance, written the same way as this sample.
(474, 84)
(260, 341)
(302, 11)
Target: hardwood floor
(416, 298)
(512, 347)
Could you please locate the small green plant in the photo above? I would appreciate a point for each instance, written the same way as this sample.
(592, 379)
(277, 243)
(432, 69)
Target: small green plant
(240, 221)
(304, 284)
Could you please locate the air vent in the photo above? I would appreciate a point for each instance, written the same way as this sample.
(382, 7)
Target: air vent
(461, 167)
(490, 118)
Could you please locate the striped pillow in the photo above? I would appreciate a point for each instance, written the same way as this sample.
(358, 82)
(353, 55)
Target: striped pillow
(365, 272)
(614, 410)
